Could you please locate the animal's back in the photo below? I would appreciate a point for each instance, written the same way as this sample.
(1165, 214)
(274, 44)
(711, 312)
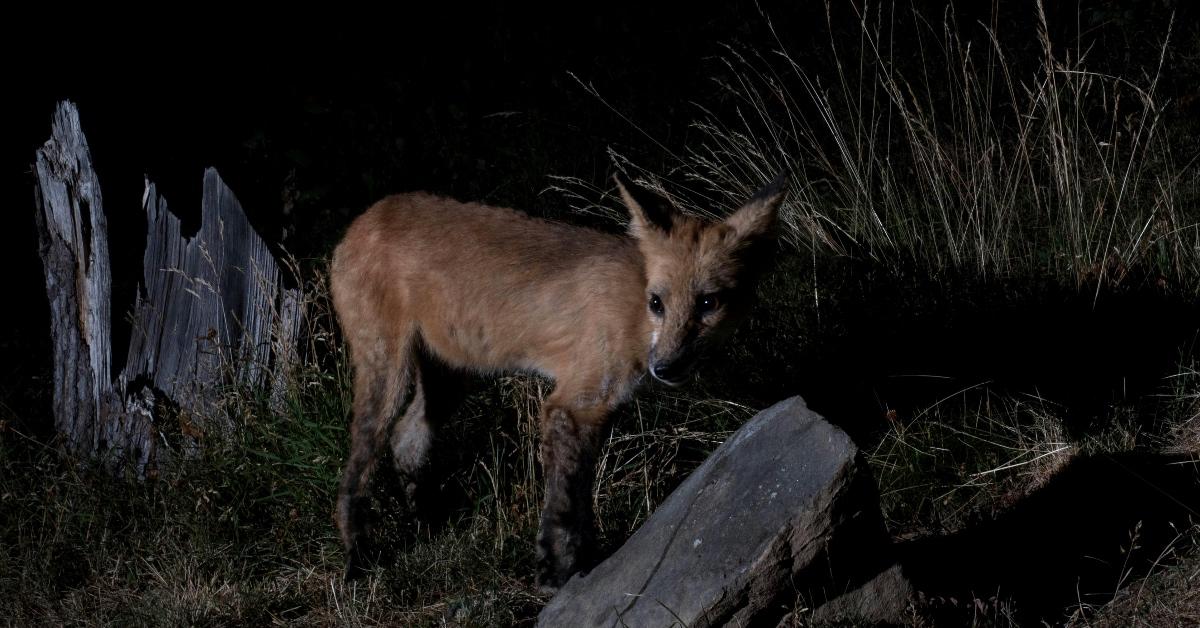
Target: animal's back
(485, 287)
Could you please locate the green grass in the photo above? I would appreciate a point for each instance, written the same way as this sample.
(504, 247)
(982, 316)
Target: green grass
(244, 533)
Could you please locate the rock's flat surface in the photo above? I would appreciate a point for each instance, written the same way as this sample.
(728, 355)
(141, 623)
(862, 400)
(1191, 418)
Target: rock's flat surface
(766, 516)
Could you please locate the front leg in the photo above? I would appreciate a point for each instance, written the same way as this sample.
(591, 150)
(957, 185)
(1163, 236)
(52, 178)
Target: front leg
(570, 446)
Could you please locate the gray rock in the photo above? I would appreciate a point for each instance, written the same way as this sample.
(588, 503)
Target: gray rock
(884, 599)
(781, 511)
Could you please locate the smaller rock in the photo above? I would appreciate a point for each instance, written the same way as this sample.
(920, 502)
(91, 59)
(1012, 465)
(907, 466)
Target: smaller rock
(884, 599)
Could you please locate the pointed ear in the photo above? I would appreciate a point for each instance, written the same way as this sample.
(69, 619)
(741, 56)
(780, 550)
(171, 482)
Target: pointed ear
(758, 216)
(646, 210)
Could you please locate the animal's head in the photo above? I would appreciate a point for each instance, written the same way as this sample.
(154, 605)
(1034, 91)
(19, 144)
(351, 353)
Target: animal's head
(700, 274)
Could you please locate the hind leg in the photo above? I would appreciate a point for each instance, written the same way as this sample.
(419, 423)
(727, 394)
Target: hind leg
(384, 387)
(438, 393)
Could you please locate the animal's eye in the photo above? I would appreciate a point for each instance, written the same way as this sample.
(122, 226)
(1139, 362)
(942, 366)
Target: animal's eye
(706, 303)
(656, 305)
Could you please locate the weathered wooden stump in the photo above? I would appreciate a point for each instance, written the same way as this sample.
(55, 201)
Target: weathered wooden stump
(211, 311)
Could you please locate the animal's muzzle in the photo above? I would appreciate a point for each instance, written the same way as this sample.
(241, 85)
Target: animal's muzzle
(674, 371)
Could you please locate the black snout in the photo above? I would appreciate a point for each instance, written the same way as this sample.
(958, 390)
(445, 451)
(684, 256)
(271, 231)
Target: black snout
(673, 371)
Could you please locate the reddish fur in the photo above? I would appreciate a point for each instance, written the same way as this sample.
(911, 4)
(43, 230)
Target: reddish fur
(489, 289)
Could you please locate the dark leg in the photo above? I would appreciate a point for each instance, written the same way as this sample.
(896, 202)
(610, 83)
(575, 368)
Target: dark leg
(566, 538)
(383, 388)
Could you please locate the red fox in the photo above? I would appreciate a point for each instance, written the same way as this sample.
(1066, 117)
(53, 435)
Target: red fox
(421, 283)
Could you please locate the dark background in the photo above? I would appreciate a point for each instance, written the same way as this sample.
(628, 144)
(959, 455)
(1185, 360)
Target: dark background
(310, 117)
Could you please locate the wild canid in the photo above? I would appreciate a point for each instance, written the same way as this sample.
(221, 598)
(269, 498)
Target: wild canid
(426, 286)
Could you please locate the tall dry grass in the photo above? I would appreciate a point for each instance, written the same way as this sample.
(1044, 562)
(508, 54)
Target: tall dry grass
(930, 147)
